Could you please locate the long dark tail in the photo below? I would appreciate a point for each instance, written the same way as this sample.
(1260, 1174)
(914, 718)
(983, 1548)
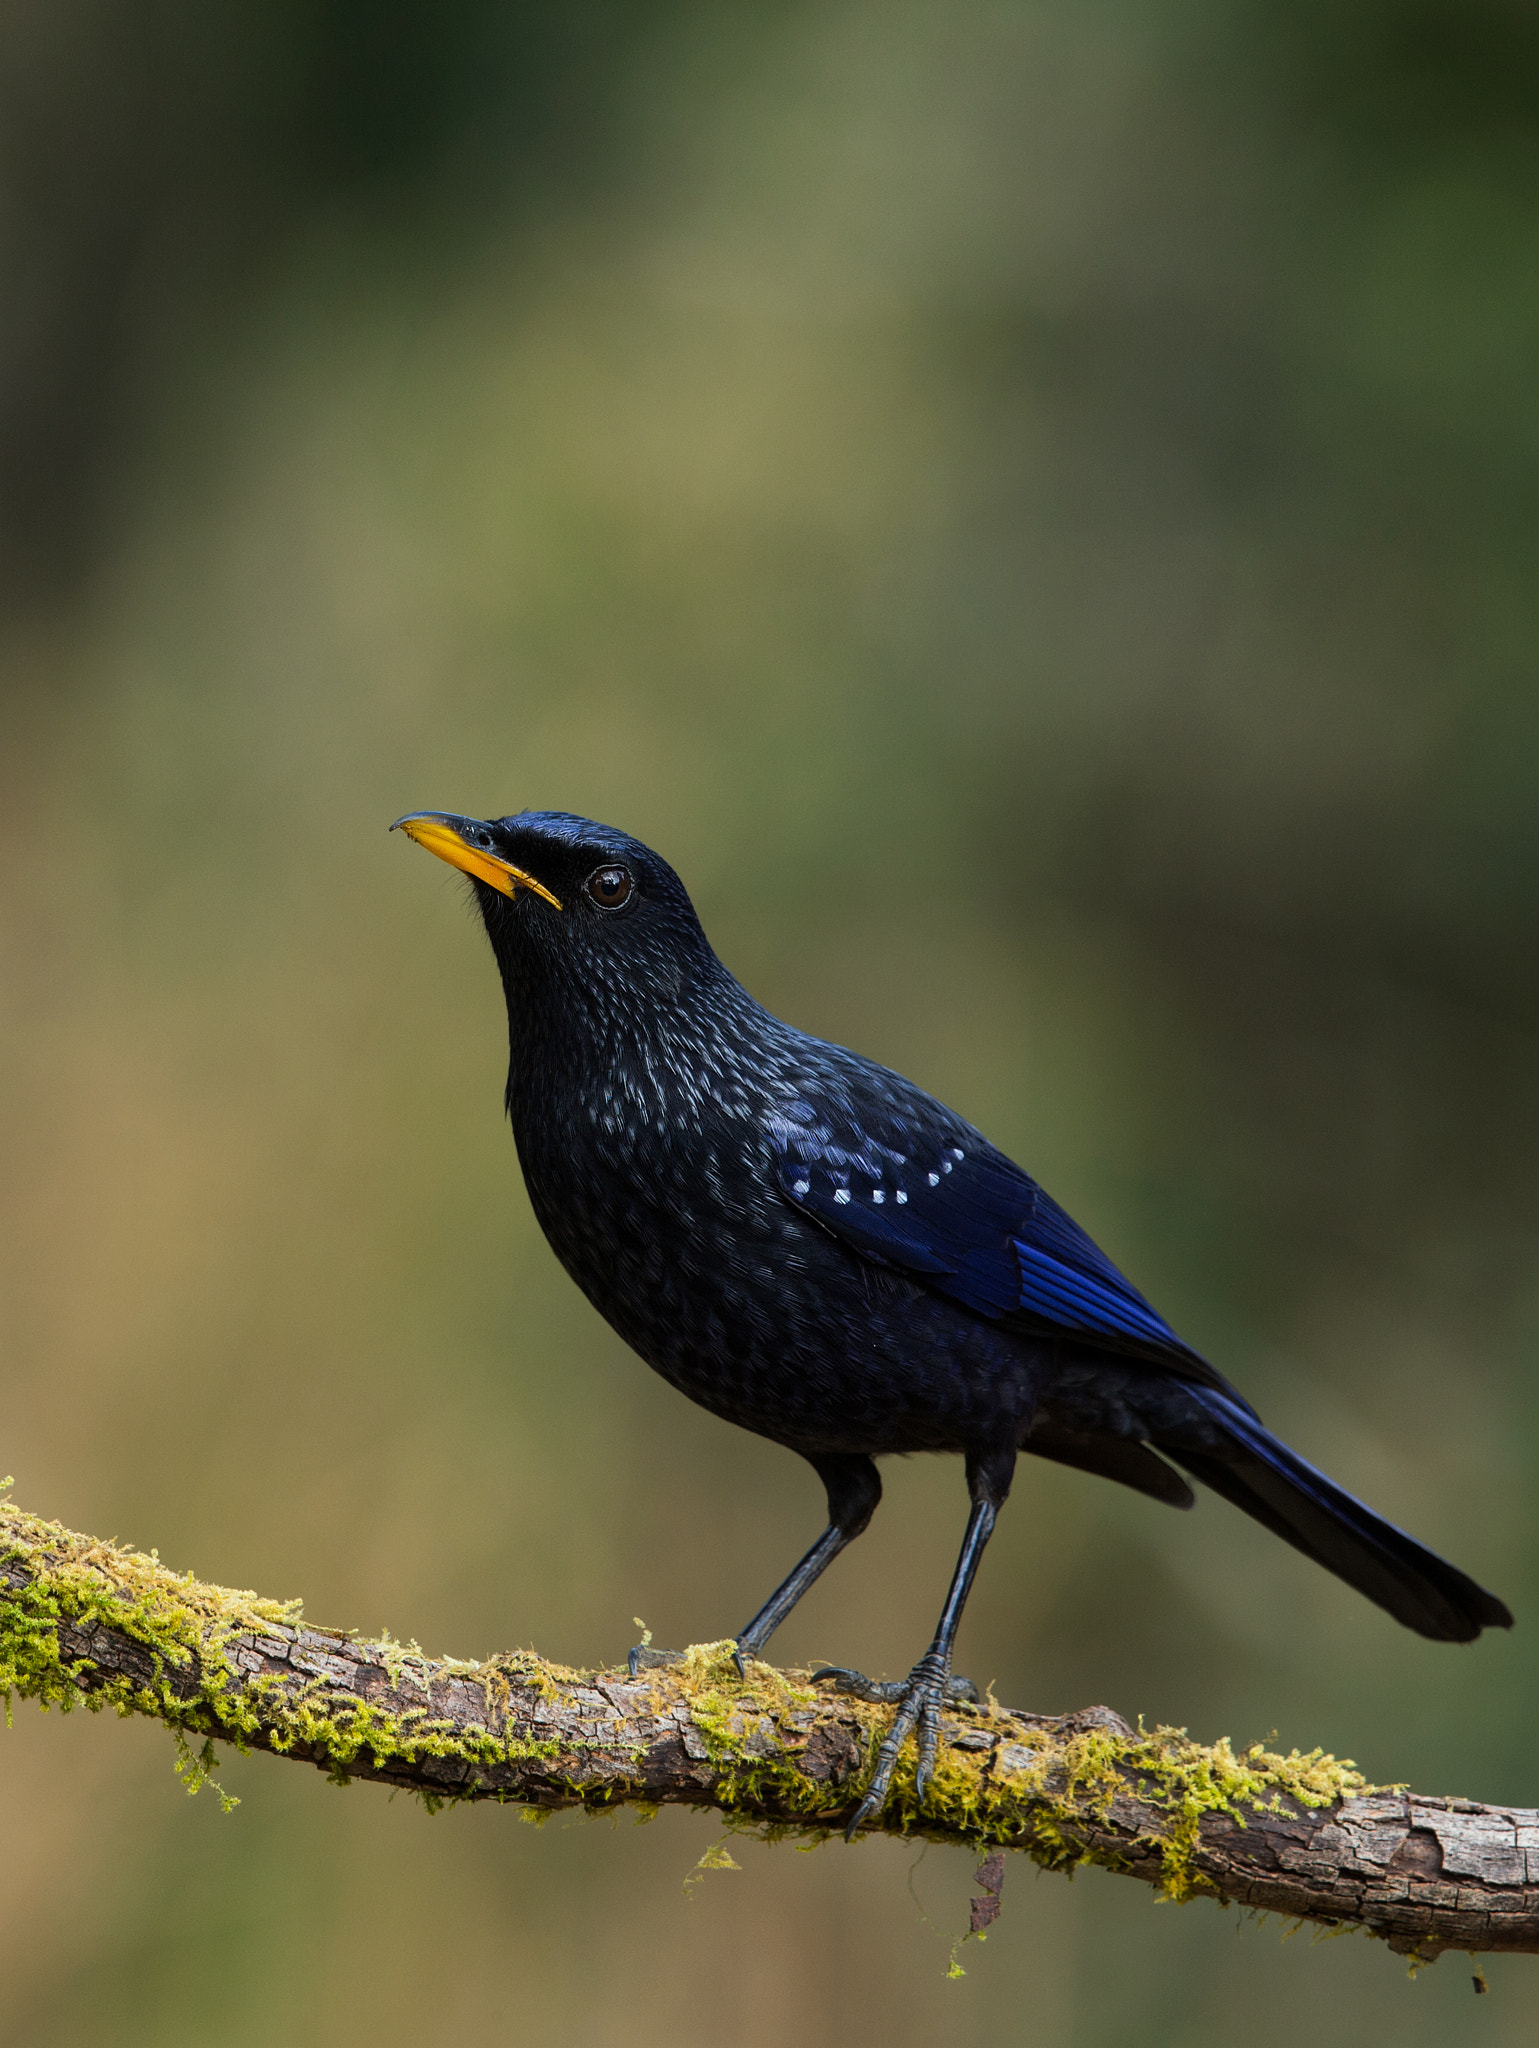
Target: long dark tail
(1255, 1470)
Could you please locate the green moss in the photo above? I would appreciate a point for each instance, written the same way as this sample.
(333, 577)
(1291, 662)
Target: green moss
(189, 1626)
(1041, 1789)
(1027, 1787)
(1185, 1779)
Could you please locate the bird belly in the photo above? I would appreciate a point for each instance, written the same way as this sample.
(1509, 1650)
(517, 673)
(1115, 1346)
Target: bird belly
(760, 1316)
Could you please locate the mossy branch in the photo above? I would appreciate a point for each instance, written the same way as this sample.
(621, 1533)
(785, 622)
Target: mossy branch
(85, 1623)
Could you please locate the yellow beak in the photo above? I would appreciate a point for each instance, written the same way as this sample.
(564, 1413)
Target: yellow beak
(456, 840)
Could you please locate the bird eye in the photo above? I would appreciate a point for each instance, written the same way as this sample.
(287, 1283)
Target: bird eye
(483, 839)
(611, 887)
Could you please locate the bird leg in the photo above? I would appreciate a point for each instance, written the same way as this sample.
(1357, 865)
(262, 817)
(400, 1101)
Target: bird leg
(921, 1696)
(769, 1617)
(785, 1596)
(854, 1488)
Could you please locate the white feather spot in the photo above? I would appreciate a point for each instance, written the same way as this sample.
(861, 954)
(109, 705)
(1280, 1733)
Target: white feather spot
(841, 1194)
(877, 1195)
(933, 1179)
(945, 1166)
(802, 1187)
(901, 1196)
(957, 1152)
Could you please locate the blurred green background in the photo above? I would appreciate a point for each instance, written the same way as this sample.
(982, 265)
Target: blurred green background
(1033, 508)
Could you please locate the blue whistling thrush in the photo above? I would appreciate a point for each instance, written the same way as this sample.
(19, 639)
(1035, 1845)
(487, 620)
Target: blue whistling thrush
(809, 1245)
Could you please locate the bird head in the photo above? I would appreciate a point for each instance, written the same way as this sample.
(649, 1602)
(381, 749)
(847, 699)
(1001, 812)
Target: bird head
(564, 897)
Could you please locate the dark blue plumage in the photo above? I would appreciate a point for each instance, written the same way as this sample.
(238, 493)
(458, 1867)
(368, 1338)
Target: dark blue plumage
(962, 1215)
(812, 1247)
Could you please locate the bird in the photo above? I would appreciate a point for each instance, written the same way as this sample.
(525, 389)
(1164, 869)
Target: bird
(814, 1248)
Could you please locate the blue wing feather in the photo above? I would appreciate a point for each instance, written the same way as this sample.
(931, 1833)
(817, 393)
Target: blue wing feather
(937, 1201)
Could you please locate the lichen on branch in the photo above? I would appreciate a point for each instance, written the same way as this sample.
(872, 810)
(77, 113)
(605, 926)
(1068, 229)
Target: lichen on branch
(87, 1623)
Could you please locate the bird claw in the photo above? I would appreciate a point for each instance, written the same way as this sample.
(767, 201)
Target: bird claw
(876, 1691)
(920, 1697)
(744, 1653)
(882, 1692)
(645, 1658)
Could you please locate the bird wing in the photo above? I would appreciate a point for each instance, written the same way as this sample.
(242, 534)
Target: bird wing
(924, 1193)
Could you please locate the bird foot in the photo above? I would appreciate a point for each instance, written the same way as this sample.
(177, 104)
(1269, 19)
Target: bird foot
(919, 1698)
(645, 1658)
(744, 1653)
(883, 1691)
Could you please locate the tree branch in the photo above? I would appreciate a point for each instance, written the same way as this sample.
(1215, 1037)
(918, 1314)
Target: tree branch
(86, 1623)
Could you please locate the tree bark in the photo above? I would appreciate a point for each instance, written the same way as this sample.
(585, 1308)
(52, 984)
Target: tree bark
(86, 1623)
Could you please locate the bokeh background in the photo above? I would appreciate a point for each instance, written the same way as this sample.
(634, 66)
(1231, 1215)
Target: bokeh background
(1034, 509)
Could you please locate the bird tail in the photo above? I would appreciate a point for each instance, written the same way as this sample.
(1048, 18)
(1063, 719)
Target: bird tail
(1257, 1472)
